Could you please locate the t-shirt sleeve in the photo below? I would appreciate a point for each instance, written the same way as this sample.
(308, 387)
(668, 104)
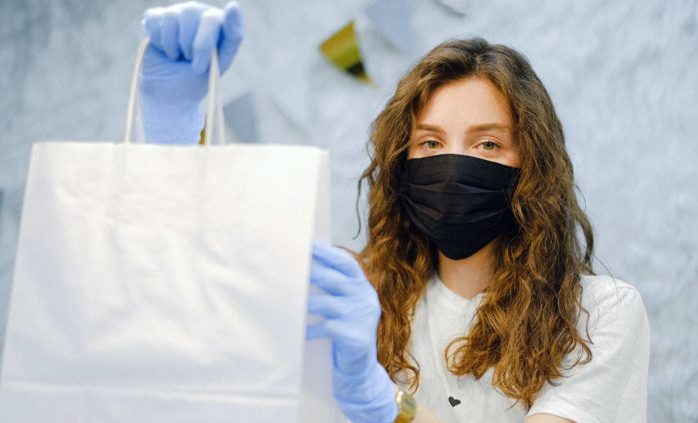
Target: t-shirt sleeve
(613, 386)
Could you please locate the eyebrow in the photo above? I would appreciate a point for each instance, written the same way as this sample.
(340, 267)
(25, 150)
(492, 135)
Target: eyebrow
(477, 128)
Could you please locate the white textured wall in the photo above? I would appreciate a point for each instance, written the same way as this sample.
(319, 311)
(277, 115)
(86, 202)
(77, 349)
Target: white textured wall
(623, 76)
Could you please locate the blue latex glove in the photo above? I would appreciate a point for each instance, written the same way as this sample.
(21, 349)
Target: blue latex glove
(351, 311)
(174, 75)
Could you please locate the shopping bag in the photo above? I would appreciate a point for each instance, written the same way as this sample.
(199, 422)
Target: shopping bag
(160, 283)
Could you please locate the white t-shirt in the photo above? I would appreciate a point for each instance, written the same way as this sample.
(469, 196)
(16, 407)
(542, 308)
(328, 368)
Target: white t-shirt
(611, 388)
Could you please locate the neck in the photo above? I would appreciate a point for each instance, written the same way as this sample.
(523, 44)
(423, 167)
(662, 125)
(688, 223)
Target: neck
(469, 276)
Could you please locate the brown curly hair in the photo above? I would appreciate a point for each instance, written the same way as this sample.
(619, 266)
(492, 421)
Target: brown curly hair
(526, 322)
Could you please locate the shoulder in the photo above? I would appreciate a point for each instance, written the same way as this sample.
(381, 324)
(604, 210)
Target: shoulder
(611, 302)
(608, 293)
(597, 286)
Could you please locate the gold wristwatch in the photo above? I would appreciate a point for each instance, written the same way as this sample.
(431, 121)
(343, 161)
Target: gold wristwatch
(406, 407)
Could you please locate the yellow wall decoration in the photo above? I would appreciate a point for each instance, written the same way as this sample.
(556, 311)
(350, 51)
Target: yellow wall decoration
(342, 49)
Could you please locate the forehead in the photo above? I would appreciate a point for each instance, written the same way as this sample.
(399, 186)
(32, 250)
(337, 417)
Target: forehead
(466, 102)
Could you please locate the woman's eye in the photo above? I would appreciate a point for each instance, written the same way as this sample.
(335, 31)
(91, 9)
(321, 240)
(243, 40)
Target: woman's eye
(431, 144)
(489, 145)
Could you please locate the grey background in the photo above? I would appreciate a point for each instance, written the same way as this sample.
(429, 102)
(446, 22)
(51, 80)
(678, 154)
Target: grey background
(623, 76)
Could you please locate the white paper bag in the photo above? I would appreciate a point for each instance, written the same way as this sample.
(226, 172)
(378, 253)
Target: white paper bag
(167, 284)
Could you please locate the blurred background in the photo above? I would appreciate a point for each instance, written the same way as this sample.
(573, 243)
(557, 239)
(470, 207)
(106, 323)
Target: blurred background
(623, 76)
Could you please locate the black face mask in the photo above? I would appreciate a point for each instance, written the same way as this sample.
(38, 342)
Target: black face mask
(460, 202)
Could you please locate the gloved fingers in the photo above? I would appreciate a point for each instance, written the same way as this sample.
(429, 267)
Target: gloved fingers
(315, 331)
(152, 23)
(188, 16)
(330, 280)
(328, 328)
(351, 338)
(353, 346)
(328, 306)
(169, 34)
(206, 39)
(232, 35)
(337, 258)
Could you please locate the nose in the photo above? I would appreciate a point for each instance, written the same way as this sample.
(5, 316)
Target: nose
(456, 146)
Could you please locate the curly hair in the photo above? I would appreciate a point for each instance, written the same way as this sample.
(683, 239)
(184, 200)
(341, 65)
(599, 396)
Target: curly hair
(526, 322)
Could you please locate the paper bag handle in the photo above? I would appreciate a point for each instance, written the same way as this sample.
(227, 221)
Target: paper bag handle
(214, 111)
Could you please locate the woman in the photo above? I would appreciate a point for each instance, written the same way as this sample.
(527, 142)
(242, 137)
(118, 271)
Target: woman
(482, 302)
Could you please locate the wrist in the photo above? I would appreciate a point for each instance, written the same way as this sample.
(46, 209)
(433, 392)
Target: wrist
(366, 397)
(164, 123)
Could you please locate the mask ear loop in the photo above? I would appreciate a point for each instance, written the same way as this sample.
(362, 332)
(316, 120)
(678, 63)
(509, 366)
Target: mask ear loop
(214, 110)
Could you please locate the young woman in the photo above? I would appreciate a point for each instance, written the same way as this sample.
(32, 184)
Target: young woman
(474, 299)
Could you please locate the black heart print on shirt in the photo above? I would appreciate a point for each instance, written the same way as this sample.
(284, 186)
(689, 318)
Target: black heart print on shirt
(453, 401)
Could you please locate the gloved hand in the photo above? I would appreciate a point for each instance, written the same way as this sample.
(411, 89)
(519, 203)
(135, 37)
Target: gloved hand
(174, 74)
(351, 312)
